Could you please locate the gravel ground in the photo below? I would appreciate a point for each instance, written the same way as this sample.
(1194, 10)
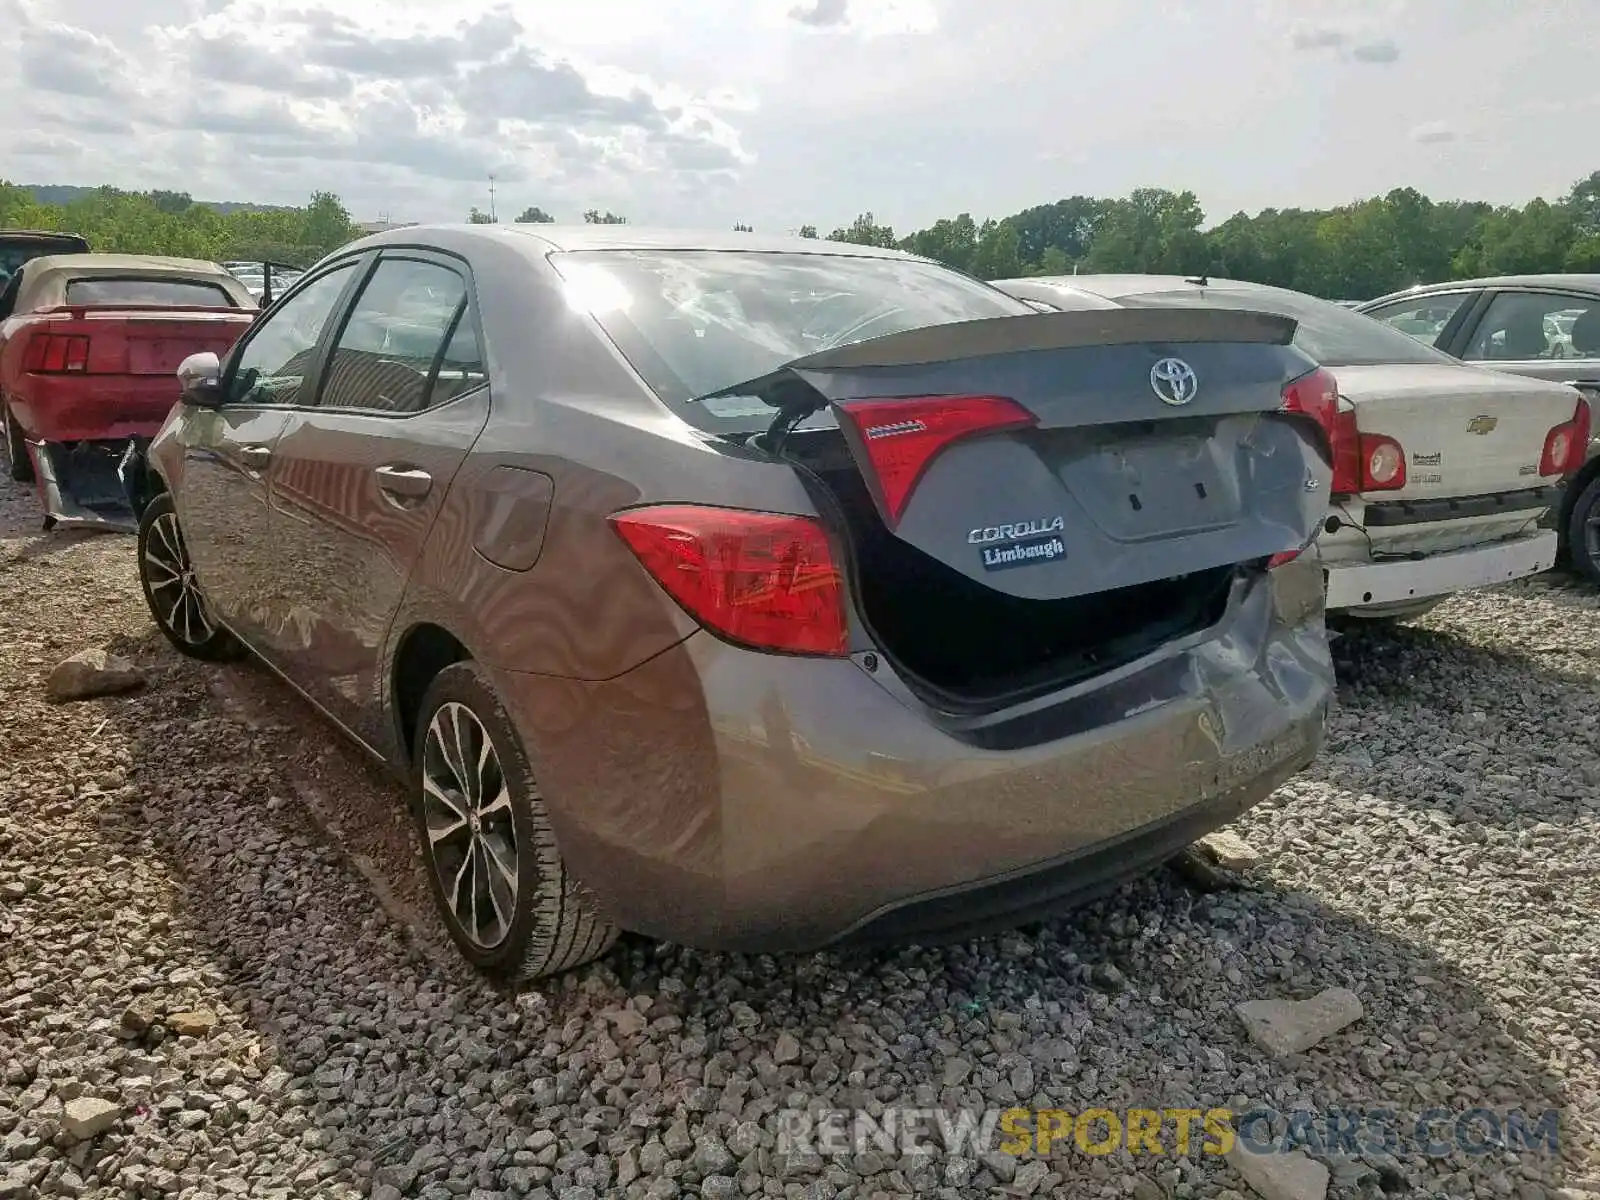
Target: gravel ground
(1442, 860)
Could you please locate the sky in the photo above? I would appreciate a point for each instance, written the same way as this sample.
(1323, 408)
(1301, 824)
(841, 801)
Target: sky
(779, 113)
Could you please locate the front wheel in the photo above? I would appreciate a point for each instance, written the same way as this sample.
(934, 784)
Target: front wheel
(504, 893)
(18, 465)
(172, 591)
(1583, 531)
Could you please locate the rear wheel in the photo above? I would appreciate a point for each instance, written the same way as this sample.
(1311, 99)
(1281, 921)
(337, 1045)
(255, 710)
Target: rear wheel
(172, 591)
(1583, 531)
(18, 465)
(505, 895)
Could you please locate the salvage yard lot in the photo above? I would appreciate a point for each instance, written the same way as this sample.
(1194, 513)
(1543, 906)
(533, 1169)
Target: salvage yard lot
(1441, 860)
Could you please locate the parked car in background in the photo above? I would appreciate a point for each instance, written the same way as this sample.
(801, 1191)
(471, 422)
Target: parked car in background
(18, 246)
(1541, 326)
(610, 542)
(88, 345)
(266, 280)
(1442, 471)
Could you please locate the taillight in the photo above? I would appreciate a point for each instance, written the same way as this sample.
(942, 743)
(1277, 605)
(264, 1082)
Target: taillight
(1383, 463)
(1288, 556)
(53, 353)
(1567, 445)
(1362, 462)
(766, 580)
(901, 437)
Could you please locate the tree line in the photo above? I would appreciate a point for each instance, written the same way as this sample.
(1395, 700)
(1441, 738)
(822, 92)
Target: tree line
(1354, 251)
(159, 222)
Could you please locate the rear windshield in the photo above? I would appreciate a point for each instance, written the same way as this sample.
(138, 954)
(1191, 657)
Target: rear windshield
(147, 291)
(694, 322)
(1334, 336)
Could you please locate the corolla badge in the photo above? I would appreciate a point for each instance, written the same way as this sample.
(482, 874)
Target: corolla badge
(1174, 381)
(1019, 529)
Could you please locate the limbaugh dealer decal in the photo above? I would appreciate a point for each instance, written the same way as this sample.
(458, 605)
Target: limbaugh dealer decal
(1020, 545)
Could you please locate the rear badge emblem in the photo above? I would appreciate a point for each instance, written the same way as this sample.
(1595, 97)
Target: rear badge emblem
(1174, 381)
(1482, 425)
(1435, 459)
(1023, 553)
(1016, 531)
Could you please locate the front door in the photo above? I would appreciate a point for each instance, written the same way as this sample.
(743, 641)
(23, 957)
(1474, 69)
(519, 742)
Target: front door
(360, 475)
(222, 504)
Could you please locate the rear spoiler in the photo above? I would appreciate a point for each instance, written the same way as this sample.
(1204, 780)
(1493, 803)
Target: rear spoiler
(785, 388)
(79, 312)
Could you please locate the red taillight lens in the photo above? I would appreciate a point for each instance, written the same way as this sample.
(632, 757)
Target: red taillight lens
(1383, 463)
(53, 353)
(901, 437)
(766, 580)
(1567, 445)
(1288, 556)
(1316, 394)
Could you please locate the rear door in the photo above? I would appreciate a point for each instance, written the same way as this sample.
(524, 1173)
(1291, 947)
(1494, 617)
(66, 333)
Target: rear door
(1552, 334)
(222, 499)
(360, 475)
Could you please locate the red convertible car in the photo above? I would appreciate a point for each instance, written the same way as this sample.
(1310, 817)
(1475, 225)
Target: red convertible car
(89, 344)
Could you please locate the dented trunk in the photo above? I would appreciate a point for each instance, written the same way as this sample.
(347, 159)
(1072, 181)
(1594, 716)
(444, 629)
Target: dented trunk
(1040, 498)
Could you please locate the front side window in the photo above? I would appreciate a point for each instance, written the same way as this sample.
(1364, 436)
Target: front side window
(1522, 326)
(1422, 317)
(272, 366)
(390, 347)
(174, 292)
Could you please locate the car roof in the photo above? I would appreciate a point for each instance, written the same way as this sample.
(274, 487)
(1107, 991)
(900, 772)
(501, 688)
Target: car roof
(122, 264)
(1575, 282)
(1113, 286)
(630, 237)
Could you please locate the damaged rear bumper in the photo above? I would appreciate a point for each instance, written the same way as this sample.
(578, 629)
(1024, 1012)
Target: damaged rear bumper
(90, 485)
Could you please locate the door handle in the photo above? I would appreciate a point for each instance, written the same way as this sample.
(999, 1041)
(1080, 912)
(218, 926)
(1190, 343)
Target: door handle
(410, 482)
(255, 457)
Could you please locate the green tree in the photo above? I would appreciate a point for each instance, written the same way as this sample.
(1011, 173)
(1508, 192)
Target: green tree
(478, 217)
(738, 228)
(808, 231)
(998, 255)
(534, 215)
(595, 217)
(865, 231)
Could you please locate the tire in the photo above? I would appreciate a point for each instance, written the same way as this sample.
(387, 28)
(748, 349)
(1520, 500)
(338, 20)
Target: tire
(172, 592)
(1583, 538)
(18, 465)
(549, 923)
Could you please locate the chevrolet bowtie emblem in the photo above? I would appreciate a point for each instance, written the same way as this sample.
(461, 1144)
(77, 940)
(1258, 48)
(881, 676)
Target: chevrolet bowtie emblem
(1482, 425)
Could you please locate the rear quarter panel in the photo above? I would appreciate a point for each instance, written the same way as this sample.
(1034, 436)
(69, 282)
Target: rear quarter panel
(567, 406)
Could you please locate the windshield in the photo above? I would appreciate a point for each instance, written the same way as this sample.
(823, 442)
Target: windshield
(147, 291)
(694, 322)
(1334, 336)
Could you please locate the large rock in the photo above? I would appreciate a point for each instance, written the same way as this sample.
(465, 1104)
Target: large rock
(1283, 1027)
(192, 1024)
(1227, 849)
(90, 673)
(1275, 1176)
(87, 1117)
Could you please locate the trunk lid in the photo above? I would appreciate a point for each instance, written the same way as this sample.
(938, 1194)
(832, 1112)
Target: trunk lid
(1465, 431)
(145, 341)
(1107, 485)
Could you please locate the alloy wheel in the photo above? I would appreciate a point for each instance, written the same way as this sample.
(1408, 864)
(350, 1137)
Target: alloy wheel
(174, 592)
(471, 835)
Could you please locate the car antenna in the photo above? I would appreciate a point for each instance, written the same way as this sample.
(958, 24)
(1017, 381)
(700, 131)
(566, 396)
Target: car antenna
(1202, 280)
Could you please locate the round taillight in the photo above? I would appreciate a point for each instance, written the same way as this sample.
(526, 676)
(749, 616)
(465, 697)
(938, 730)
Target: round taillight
(1384, 463)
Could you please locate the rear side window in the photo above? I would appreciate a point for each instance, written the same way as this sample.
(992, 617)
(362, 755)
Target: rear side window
(1521, 326)
(408, 343)
(174, 292)
(1334, 336)
(694, 322)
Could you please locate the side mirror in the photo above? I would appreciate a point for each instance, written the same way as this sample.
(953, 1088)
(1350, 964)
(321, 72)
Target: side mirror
(200, 380)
